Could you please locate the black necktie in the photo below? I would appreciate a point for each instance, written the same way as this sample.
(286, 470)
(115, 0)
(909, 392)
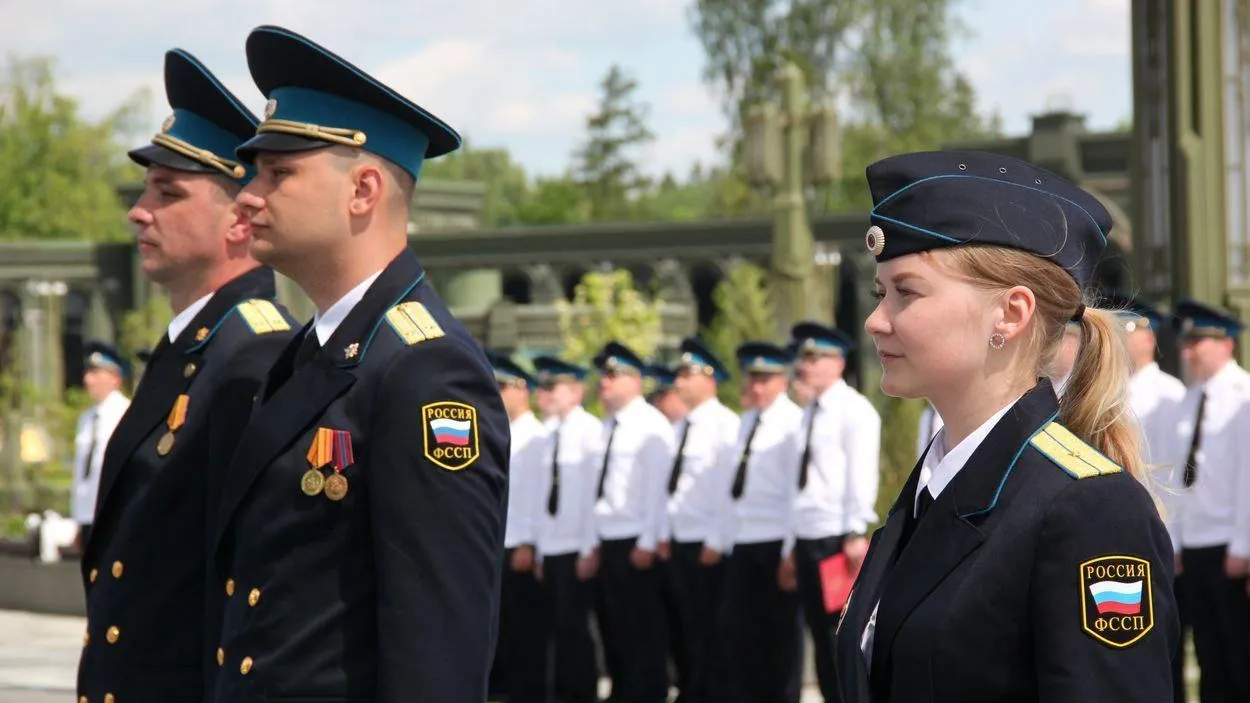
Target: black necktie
(923, 503)
(95, 429)
(307, 348)
(553, 496)
(675, 474)
(740, 478)
(807, 448)
(1191, 462)
(607, 454)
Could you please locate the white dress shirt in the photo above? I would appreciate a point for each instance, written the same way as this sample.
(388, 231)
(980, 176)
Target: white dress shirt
(184, 318)
(572, 528)
(763, 513)
(636, 483)
(528, 446)
(97, 424)
(1155, 397)
(697, 508)
(1214, 511)
(939, 469)
(842, 478)
(325, 323)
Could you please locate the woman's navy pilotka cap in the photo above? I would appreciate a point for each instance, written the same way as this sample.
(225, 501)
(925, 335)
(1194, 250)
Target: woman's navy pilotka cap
(1202, 320)
(931, 200)
(318, 99)
(207, 125)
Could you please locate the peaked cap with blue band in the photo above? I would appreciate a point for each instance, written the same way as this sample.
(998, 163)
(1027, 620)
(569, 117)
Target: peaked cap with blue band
(813, 337)
(552, 370)
(318, 99)
(661, 377)
(207, 125)
(763, 357)
(1202, 320)
(103, 356)
(1134, 311)
(508, 371)
(930, 200)
(697, 356)
(616, 357)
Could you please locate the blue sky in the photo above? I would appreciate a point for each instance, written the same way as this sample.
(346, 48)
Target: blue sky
(522, 73)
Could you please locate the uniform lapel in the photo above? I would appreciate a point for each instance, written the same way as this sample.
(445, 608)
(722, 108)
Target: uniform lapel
(955, 525)
(167, 376)
(294, 399)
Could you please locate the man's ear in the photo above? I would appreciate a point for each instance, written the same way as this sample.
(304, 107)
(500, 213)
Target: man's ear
(367, 181)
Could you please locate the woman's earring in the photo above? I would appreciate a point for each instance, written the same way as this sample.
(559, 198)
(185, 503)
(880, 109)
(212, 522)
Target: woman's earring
(998, 340)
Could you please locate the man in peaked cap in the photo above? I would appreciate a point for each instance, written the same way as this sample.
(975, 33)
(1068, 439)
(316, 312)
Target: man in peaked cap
(836, 490)
(520, 667)
(698, 508)
(144, 567)
(380, 436)
(1208, 455)
(659, 381)
(634, 467)
(763, 637)
(567, 540)
(102, 380)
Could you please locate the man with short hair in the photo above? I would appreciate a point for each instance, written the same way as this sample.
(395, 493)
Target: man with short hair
(106, 369)
(359, 549)
(567, 539)
(520, 667)
(698, 505)
(630, 513)
(1208, 451)
(144, 572)
(836, 491)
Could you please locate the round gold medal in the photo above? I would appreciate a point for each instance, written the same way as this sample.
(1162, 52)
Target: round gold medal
(166, 444)
(336, 487)
(312, 482)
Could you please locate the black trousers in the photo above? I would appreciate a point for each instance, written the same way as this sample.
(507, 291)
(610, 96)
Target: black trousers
(576, 680)
(763, 631)
(1179, 694)
(808, 553)
(698, 591)
(519, 671)
(669, 599)
(1220, 614)
(635, 639)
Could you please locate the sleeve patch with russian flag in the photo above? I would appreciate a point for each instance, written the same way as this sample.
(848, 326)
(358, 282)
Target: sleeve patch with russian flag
(450, 434)
(1117, 608)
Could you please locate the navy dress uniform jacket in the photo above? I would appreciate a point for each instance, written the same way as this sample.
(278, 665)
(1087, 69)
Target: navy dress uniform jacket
(144, 567)
(1018, 583)
(390, 592)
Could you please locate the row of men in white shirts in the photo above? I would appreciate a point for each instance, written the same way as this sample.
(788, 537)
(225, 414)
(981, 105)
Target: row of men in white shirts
(1196, 443)
(701, 539)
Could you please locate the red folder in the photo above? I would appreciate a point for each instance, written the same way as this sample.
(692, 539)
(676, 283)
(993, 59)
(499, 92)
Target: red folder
(836, 580)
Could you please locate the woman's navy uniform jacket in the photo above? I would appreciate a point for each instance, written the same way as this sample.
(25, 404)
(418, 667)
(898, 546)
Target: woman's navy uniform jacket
(1042, 572)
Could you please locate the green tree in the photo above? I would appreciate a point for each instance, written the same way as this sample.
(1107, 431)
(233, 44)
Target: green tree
(58, 171)
(607, 306)
(743, 313)
(605, 164)
(553, 201)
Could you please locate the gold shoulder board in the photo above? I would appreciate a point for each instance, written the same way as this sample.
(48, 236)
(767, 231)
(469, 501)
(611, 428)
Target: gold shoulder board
(413, 323)
(1072, 454)
(262, 316)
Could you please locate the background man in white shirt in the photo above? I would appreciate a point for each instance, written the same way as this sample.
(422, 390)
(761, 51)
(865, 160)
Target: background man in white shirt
(836, 491)
(1209, 515)
(698, 492)
(763, 637)
(662, 393)
(567, 540)
(520, 666)
(630, 514)
(102, 380)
